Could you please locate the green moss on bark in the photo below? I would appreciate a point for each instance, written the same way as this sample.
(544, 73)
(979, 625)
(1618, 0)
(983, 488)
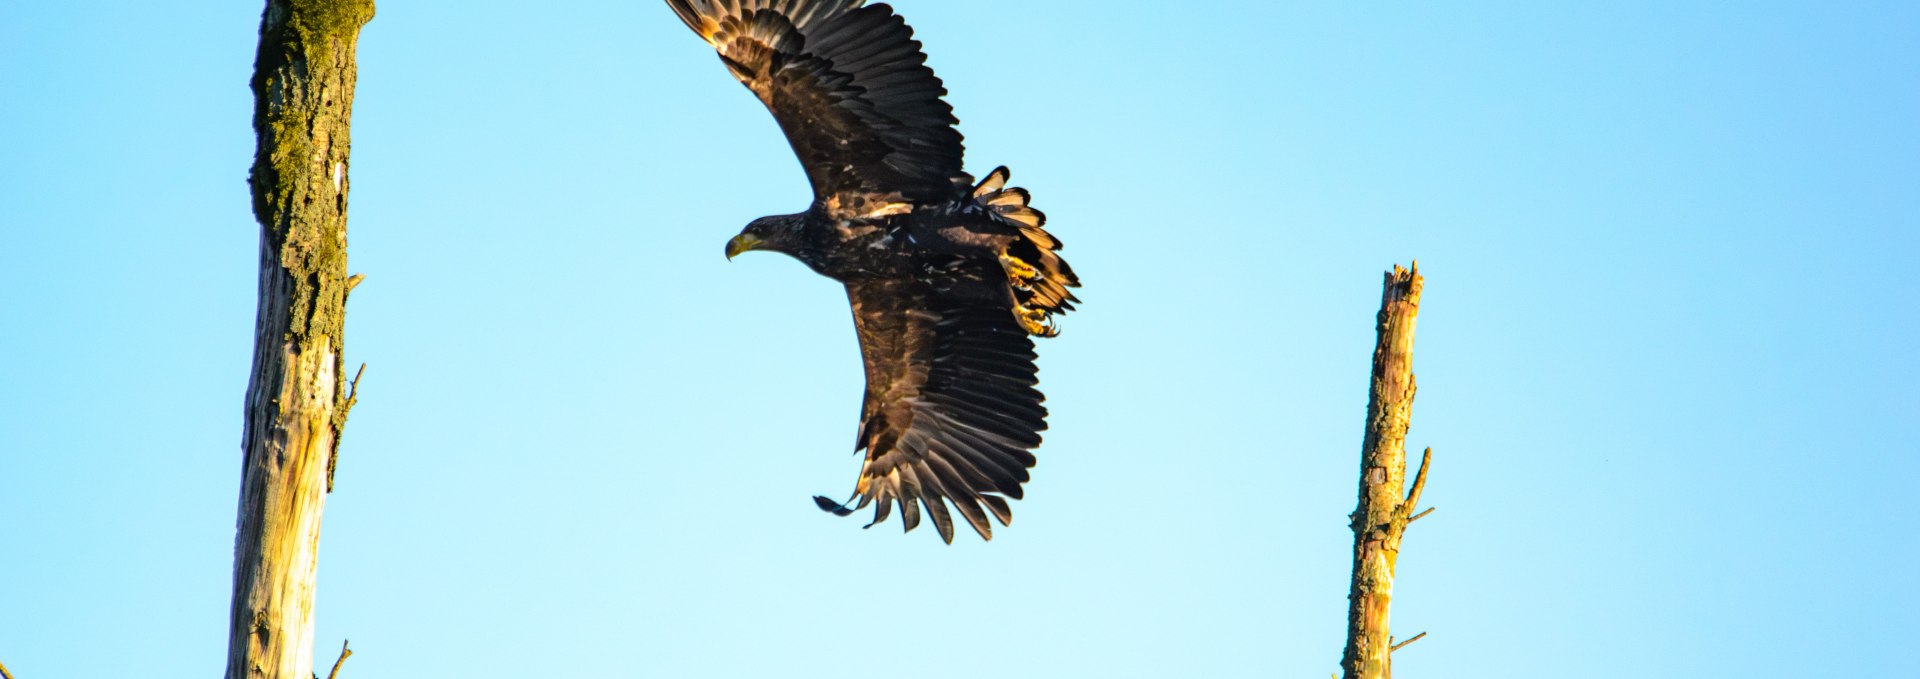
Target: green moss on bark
(303, 87)
(331, 18)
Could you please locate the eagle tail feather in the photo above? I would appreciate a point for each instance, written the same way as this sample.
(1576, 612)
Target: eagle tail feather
(1039, 276)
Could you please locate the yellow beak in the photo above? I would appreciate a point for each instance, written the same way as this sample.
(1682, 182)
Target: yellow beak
(742, 243)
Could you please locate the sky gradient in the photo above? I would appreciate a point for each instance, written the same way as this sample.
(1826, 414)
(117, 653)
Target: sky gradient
(1665, 352)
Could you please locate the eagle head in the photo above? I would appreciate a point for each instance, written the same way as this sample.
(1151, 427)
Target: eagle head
(779, 233)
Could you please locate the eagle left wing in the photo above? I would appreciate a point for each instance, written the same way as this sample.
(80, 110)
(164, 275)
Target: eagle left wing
(849, 87)
(951, 411)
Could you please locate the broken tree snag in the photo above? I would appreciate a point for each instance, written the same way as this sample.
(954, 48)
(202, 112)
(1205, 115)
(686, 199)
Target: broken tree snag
(1382, 518)
(303, 99)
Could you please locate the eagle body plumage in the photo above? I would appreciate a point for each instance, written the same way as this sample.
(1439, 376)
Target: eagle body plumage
(948, 278)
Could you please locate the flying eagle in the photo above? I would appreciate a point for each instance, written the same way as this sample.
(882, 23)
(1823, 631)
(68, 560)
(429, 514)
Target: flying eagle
(947, 277)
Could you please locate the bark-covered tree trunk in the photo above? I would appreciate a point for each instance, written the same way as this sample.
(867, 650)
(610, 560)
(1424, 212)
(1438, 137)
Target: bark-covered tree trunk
(1382, 517)
(296, 402)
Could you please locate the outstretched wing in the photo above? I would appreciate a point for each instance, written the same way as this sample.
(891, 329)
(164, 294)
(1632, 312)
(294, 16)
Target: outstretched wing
(850, 88)
(951, 411)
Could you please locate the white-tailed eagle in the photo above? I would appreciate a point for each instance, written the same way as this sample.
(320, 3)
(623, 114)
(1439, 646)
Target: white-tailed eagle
(948, 278)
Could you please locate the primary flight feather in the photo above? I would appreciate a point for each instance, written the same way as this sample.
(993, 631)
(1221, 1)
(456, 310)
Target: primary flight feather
(948, 278)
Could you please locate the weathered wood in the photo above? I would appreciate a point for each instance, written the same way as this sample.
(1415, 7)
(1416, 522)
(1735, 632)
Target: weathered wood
(303, 85)
(1382, 517)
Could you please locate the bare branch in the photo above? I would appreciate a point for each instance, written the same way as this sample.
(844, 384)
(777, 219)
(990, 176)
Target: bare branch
(4, 674)
(340, 422)
(1416, 517)
(353, 396)
(348, 653)
(1395, 647)
(1402, 515)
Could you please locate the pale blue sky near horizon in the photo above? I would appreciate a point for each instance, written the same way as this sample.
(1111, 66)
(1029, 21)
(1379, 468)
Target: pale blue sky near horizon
(1665, 356)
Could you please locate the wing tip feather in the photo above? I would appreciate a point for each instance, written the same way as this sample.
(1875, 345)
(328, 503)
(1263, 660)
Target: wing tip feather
(828, 505)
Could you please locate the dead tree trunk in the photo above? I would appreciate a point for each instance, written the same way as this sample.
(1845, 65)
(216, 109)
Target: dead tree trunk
(1382, 517)
(296, 403)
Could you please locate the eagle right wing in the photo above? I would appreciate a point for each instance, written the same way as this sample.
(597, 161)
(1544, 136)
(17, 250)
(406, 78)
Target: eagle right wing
(951, 411)
(849, 87)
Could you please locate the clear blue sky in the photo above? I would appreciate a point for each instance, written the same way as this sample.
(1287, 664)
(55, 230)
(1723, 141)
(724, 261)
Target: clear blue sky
(1665, 357)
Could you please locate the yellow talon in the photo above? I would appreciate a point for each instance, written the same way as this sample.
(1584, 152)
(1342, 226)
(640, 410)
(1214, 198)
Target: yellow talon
(1035, 321)
(1019, 270)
